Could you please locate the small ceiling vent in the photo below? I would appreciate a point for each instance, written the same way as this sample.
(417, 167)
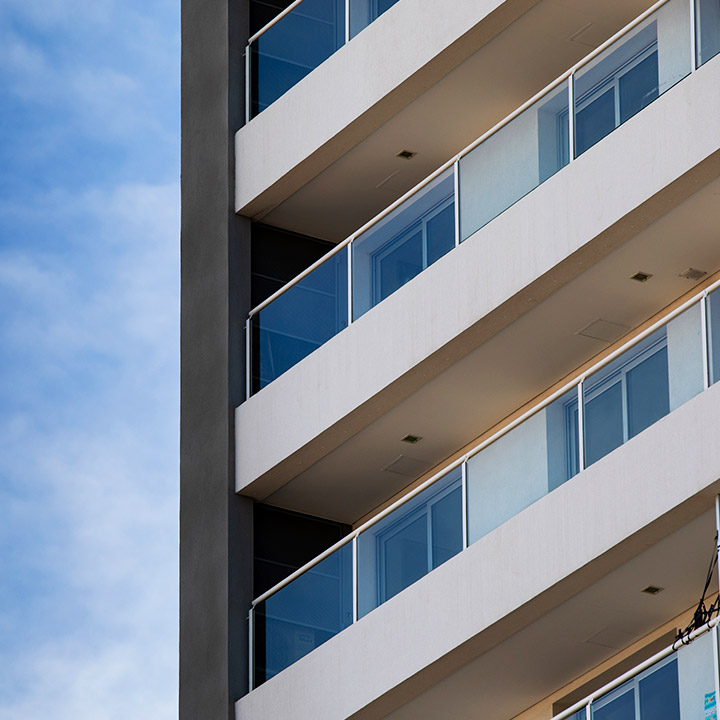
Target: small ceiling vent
(692, 274)
(407, 466)
(652, 590)
(603, 330)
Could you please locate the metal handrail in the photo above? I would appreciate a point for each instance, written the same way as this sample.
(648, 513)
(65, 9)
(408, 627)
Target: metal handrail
(274, 21)
(576, 380)
(656, 658)
(466, 150)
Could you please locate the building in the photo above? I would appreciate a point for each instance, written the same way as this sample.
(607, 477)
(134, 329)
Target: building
(450, 343)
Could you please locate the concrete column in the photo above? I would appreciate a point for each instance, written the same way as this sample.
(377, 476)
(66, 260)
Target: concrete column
(215, 524)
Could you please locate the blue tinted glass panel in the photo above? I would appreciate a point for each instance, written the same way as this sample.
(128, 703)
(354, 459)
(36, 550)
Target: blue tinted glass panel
(594, 121)
(440, 233)
(638, 87)
(363, 12)
(566, 464)
(404, 555)
(399, 262)
(659, 694)
(401, 245)
(627, 76)
(708, 29)
(648, 392)
(293, 47)
(446, 530)
(714, 335)
(300, 320)
(304, 614)
(603, 422)
(621, 708)
(409, 542)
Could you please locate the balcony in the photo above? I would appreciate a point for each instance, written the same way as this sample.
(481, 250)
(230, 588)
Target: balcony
(518, 620)
(497, 320)
(571, 115)
(298, 40)
(415, 79)
(677, 683)
(577, 425)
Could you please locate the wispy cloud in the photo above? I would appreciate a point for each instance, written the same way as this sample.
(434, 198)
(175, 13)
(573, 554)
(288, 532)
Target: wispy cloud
(88, 465)
(88, 359)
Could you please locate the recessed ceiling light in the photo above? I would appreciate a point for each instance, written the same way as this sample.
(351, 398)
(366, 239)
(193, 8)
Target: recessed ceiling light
(692, 274)
(641, 276)
(652, 590)
(412, 439)
(406, 154)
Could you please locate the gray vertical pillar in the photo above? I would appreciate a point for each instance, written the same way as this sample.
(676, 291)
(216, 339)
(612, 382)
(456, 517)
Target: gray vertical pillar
(215, 523)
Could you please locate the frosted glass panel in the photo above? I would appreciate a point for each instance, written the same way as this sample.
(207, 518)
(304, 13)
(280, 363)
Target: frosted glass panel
(514, 161)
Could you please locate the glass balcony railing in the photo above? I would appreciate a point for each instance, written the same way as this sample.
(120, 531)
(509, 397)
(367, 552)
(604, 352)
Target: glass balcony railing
(678, 683)
(613, 83)
(297, 41)
(626, 392)
(303, 614)
(312, 311)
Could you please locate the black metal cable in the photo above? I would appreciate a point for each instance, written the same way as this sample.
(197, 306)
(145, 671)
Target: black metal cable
(702, 614)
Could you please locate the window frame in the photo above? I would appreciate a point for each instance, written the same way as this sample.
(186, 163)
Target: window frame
(582, 102)
(633, 685)
(399, 525)
(595, 390)
(393, 244)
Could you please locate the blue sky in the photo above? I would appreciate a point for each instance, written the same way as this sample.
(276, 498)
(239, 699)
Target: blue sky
(89, 228)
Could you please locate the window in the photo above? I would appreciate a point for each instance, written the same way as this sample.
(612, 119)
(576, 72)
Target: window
(651, 695)
(419, 541)
(621, 400)
(412, 250)
(616, 99)
(611, 91)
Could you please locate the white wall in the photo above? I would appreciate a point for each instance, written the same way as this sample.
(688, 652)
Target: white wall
(533, 563)
(299, 417)
(368, 81)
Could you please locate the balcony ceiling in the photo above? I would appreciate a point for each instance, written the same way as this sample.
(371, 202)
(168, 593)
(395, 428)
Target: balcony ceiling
(478, 93)
(511, 368)
(578, 635)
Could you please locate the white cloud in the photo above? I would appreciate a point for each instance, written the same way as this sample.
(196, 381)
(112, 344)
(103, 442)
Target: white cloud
(89, 237)
(105, 476)
(111, 67)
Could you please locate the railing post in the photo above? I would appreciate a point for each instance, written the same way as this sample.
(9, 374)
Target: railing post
(716, 640)
(716, 663)
(251, 650)
(350, 282)
(588, 711)
(571, 117)
(355, 578)
(693, 36)
(347, 21)
(248, 358)
(705, 337)
(456, 191)
(464, 486)
(248, 93)
(581, 426)
(717, 530)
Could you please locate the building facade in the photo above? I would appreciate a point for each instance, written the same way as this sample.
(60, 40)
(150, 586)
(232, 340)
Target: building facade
(450, 350)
